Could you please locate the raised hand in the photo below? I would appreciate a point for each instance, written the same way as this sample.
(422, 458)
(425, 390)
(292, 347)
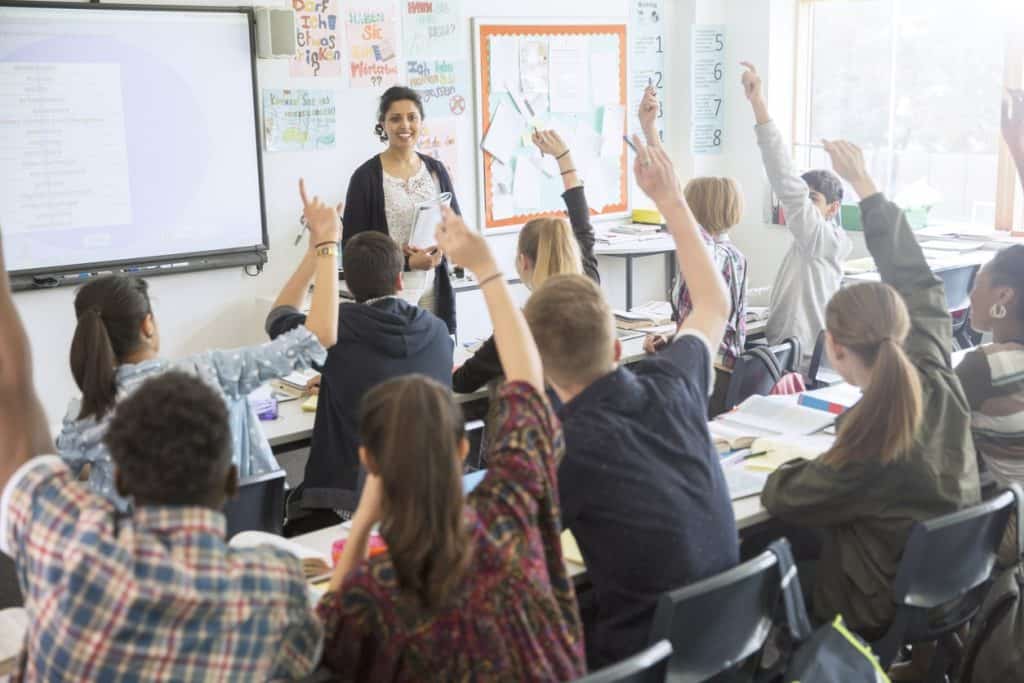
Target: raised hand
(848, 163)
(464, 246)
(324, 221)
(550, 142)
(655, 174)
(648, 111)
(752, 86)
(1013, 122)
(655, 342)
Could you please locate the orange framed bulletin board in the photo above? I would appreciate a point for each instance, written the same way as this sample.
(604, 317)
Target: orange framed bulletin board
(538, 74)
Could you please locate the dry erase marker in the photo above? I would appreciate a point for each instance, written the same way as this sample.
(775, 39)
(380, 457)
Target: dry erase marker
(630, 143)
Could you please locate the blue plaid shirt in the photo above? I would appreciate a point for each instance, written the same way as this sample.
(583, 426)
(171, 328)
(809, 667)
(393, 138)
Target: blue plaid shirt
(157, 595)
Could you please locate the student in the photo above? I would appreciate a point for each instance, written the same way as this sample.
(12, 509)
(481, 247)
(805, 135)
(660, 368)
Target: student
(379, 337)
(993, 375)
(903, 454)
(547, 246)
(812, 270)
(116, 348)
(156, 593)
(383, 193)
(641, 485)
(472, 589)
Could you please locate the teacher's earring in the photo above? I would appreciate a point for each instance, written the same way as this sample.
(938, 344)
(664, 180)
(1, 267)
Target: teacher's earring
(997, 311)
(379, 130)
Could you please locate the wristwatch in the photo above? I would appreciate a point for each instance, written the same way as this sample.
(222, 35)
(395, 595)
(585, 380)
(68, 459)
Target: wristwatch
(327, 250)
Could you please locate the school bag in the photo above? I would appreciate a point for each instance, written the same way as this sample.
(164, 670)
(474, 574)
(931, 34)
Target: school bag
(829, 654)
(995, 645)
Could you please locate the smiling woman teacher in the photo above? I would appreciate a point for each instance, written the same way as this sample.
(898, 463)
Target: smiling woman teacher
(383, 193)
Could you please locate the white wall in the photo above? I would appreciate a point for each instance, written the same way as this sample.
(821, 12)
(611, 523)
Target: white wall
(226, 308)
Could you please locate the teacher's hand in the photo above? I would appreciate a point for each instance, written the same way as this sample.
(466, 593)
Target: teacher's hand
(423, 259)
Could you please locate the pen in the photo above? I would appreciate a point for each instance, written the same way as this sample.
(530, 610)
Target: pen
(302, 231)
(755, 455)
(630, 143)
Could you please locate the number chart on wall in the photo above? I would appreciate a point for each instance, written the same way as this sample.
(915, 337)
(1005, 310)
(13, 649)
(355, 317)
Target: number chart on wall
(707, 107)
(569, 77)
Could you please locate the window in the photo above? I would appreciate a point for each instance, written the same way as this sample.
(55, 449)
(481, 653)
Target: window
(918, 84)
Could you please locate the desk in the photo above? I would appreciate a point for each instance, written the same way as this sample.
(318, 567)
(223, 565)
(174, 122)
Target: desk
(662, 244)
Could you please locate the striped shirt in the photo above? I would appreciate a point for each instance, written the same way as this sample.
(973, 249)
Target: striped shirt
(993, 380)
(154, 596)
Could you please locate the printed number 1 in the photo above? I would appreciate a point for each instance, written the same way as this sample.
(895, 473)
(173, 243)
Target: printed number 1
(659, 50)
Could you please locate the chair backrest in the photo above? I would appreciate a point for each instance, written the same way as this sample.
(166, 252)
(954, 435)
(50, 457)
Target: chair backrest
(720, 621)
(957, 283)
(787, 355)
(259, 505)
(756, 371)
(648, 666)
(947, 557)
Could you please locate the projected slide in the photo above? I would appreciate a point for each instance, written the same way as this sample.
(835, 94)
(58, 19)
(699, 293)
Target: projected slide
(125, 135)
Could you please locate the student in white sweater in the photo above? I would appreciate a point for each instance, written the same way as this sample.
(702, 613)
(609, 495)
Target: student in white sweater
(812, 270)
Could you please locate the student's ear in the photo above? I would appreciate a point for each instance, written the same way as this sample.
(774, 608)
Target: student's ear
(833, 210)
(525, 268)
(367, 460)
(148, 330)
(231, 482)
(833, 349)
(618, 350)
(399, 283)
(463, 449)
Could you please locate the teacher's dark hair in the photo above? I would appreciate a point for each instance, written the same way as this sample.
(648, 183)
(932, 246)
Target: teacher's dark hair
(395, 93)
(110, 313)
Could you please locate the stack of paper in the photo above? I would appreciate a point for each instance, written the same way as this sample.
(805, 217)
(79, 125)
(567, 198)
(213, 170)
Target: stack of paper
(653, 313)
(299, 379)
(757, 313)
(777, 415)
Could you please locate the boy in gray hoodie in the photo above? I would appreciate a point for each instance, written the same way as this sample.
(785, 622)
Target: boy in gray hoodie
(812, 270)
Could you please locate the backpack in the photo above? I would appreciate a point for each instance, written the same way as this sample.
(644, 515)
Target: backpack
(830, 654)
(995, 645)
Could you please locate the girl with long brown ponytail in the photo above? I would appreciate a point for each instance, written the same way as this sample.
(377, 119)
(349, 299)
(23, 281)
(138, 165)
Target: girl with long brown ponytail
(903, 453)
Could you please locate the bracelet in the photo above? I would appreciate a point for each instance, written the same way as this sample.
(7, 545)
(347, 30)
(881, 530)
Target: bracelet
(568, 171)
(561, 155)
(324, 244)
(488, 279)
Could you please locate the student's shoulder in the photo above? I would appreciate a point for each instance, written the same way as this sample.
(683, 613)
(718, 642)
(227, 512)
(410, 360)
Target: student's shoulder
(270, 568)
(687, 358)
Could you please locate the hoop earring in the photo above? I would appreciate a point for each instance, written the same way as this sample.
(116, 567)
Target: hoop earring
(997, 311)
(379, 130)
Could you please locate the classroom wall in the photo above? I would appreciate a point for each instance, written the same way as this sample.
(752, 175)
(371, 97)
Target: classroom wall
(197, 311)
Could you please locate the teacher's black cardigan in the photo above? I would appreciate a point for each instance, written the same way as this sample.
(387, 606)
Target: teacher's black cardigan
(364, 210)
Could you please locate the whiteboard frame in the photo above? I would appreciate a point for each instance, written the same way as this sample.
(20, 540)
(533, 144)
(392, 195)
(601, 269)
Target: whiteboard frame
(478, 116)
(254, 255)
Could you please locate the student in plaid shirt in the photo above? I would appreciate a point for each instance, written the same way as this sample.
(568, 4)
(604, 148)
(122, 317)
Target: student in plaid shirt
(157, 595)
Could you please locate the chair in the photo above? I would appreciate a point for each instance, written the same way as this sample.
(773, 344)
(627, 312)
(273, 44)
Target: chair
(942, 579)
(758, 369)
(258, 506)
(476, 432)
(647, 666)
(957, 283)
(721, 621)
(819, 372)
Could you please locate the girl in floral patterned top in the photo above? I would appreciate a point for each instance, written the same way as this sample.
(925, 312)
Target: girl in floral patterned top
(470, 589)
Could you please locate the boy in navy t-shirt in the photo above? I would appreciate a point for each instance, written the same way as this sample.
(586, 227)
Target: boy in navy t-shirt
(641, 486)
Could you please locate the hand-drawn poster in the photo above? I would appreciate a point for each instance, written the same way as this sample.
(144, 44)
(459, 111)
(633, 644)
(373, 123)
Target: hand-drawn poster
(437, 139)
(372, 32)
(299, 120)
(318, 54)
(432, 35)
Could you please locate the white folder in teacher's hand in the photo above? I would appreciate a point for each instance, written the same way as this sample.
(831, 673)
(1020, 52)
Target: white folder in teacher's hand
(428, 216)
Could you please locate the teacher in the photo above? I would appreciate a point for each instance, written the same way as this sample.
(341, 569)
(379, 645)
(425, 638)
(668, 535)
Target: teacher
(383, 194)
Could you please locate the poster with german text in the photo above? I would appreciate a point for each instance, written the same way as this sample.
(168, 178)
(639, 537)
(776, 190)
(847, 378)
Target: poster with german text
(318, 41)
(371, 30)
(432, 32)
(438, 140)
(299, 120)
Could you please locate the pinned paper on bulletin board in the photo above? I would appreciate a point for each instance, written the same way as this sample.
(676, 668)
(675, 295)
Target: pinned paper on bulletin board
(318, 51)
(707, 110)
(299, 120)
(372, 32)
(431, 38)
(549, 75)
(438, 140)
(647, 57)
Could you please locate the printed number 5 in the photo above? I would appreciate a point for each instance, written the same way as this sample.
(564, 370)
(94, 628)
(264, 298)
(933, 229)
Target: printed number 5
(719, 43)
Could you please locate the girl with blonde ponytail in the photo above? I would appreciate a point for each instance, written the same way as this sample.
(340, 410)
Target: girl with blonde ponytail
(903, 453)
(547, 246)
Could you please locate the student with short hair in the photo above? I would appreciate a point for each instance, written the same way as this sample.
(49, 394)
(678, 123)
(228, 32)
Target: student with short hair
(641, 485)
(116, 347)
(812, 270)
(469, 589)
(379, 337)
(156, 593)
(547, 246)
(903, 453)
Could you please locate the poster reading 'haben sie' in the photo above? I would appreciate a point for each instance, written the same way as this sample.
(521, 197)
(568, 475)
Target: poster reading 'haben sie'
(372, 32)
(318, 51)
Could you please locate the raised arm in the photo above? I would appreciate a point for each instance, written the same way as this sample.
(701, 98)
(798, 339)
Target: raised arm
(898, 256)
(23, 429)
(657, 178)
(319, 262)
(648, 114)
(550, 142)
(516, 348)
(1013, 129)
